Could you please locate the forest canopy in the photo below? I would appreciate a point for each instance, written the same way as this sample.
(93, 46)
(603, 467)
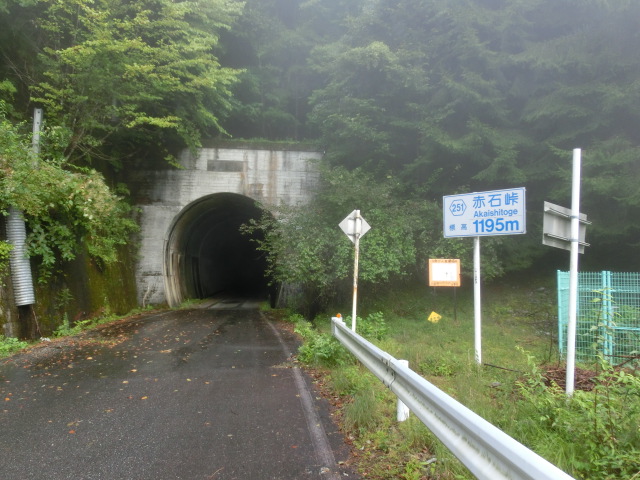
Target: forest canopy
(459, 96)
(436, 96)
(119, 82)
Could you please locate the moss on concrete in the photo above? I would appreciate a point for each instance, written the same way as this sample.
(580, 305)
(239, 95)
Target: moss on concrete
(84, 289)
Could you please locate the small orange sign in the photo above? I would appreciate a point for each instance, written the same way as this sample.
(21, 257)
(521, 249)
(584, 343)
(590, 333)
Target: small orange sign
(444, 272)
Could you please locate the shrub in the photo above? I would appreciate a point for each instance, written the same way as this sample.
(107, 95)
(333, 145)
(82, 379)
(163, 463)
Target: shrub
(592, 434)
(371, 327)
(9, 345)
(319, 349)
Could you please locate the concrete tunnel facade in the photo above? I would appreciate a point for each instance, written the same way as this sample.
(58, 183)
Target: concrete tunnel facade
(190, 243)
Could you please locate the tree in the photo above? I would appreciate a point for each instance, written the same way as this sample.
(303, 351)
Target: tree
(419, 91)
(306, 249)
(270, 97)
(480, 95)
(66, 208)
(368, 114)
(272, 42)
(580, 73)
(129, 79)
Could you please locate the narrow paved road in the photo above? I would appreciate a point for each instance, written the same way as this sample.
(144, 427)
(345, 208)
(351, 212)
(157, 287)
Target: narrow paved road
(199, 394)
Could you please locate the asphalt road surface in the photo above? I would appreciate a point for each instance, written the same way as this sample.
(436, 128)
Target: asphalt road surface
(209, 393)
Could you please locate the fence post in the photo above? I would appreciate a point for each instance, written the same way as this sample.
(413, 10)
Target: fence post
(607, 314)
(562, 313)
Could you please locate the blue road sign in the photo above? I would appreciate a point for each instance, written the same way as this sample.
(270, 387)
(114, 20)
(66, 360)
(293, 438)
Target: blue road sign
(499, 212)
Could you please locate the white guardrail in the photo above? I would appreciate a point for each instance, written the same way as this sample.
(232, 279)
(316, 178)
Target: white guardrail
(488, 452)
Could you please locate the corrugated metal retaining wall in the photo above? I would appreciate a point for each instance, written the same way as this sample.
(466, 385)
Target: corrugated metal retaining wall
(19, 262)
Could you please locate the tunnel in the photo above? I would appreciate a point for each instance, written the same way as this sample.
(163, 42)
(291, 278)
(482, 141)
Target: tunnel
(206, 254)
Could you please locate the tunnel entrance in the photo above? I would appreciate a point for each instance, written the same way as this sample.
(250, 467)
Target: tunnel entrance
(205, 253)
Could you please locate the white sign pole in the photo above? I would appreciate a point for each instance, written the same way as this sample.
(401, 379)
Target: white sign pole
(354, 226)
(358, 230)
(476, 300)
(573, 273)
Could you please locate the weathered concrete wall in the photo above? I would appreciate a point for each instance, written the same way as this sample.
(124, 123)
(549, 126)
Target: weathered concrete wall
(270, 177)
(80, 289)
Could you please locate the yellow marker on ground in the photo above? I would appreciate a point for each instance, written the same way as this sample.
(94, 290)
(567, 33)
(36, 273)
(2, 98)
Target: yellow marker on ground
(434, 317)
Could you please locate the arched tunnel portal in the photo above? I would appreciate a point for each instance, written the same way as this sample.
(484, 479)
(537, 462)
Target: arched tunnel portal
(206, 254)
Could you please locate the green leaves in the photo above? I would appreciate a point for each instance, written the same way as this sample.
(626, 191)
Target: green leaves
(119, 72)
(593, 434)
(369, 112)
(65, 208)
(306, 248)
(117, 80)
(473, 96)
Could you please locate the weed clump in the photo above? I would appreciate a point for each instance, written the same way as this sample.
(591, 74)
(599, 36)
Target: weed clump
(319, 349)
(594, 433)
(9, 345)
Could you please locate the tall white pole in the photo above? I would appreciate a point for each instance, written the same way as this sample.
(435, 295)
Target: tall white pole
(37, 127)
(358, 230)
(476, 300)
(573, 273)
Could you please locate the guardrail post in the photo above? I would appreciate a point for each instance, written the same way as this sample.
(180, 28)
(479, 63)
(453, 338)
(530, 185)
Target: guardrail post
(402, 410)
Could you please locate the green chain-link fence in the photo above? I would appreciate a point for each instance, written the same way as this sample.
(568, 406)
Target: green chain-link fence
(608, 319)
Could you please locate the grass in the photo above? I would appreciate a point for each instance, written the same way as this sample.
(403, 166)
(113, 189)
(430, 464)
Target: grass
(519, 334)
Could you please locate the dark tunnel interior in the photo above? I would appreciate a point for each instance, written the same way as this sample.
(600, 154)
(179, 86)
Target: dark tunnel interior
(209, 254)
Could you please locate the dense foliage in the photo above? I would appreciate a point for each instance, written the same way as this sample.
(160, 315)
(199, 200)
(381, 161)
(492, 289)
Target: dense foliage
(119, 82)
(441, 96)
(125, 79)
(66, 208)
(464, 96)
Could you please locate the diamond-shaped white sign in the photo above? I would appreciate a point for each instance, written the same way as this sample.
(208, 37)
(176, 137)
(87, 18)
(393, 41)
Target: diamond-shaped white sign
(354, 224)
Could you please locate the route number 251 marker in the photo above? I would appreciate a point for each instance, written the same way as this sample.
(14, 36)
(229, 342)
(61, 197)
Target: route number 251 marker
(499, 212)
(482, 214)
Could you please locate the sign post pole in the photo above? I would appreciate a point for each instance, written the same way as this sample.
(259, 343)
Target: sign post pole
(566, 228)
(354, 226)
(477, 303)
(573, 274)
(357, 233)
